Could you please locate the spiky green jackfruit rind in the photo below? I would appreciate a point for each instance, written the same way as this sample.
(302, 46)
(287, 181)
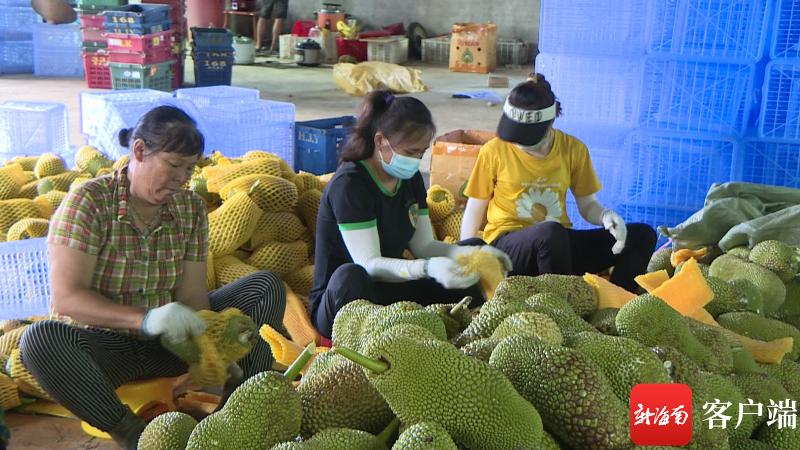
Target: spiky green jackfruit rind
(169, 431)
(453, 323)
(424, 436)
(213, 433)
(721, 388)
(791, 306)
(751, 444)
(489, 317)
(729, 268)
(749, 294)
(721, 360)
(559, 310)
(761, 328)
(653, 322)
(661, 261)
(531, 324)
(581, 297)
(572, 395)
(778, 257)
(761, 388)
(342, 439)
(624, 361)
(378, 323)
(742, 252)
(787, 373)
(481, 349)
(341, 397)
(604, 321)
(348, 322)
(549, 442)
(288, 446)
(786, 438)
(322, 363)
(726, 298)
(425, 382)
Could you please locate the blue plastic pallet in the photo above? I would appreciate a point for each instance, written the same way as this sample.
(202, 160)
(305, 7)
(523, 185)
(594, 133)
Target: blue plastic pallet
(780, 105)
(16, 57)
(25, 278)
(217, 95)
(770, 161)
(730, 30)
(33, 128)
(786, 30)
(318, 143)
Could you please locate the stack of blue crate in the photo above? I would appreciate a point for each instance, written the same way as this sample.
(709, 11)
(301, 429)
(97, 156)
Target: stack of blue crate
(17, 20)
(661, 92)
(212, 51)
(57, 50)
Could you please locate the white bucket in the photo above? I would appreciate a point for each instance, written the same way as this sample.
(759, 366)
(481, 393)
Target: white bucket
(244, 52)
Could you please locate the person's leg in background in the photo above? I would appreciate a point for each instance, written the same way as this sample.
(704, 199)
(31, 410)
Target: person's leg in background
(280, 12)
(265, 12)
(538, 249)
(591, 252)
(349, 282)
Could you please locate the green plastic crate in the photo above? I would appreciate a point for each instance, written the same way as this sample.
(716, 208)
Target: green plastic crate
(137, 76)
(90, 6)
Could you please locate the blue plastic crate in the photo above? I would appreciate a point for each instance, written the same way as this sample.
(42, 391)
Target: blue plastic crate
(16, 56)
(33, 128)
(733, 30)
(213, 70)
(694, 94)
(25, 278)
(57, 63)
(770, 161)
(16, 23)
(66, 36)
(592, 27)
(318, 143)
(212, 38)
(675, 170)
(786, 30)
(95, 105)
(237, 128)
(780, 105)
(135, 15)
(575, 80)
(148, 28)
(217, 95)
(15, 3)
(655, 216)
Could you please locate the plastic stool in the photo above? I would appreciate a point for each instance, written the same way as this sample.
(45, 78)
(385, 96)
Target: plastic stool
(146, 398)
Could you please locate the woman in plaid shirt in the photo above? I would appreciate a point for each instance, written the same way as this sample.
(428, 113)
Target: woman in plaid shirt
(127, 256)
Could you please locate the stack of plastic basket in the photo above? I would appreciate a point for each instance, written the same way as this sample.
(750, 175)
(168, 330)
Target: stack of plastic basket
(139, 38)
(177, 16)
(17, 20)
(661, 93)
(57, 50)
(93, 45)
(212, 51)
(771, 149)
(32, 129)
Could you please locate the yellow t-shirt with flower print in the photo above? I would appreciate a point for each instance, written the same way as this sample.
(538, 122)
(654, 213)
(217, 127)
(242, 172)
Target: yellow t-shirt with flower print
(523, 189)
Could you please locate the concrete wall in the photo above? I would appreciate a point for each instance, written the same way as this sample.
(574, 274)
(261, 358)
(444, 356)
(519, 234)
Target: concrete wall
(515, 19)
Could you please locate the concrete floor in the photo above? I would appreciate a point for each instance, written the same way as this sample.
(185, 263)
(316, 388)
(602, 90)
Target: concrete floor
(312, 90)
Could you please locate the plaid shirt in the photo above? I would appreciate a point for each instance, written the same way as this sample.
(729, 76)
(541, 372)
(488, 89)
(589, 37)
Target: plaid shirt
(132, 268)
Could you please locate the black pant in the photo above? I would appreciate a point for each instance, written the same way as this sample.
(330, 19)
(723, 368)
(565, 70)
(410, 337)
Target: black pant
(549, 247)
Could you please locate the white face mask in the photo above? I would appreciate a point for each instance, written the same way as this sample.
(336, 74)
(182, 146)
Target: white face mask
(540, 148)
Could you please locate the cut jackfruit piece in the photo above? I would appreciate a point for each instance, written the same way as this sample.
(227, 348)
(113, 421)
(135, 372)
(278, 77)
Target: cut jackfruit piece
(220, 175)
(280, 258)
(308, 207)
(441, 203)
(232, 224)
(488, 266)
(229, 268)
(277, 226)
(27, 228)
(47, 165)
(685, 254)
(210, 371)
(297, 320)
(301, 280)
(450, 226)
(651, 281)
(687, 290)
(609, 295)
(271, 193)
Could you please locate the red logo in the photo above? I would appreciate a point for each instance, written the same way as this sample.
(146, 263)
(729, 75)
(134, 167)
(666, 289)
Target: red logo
(661, 414)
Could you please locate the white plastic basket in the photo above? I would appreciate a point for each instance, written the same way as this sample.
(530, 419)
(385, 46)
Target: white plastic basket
(390, 49)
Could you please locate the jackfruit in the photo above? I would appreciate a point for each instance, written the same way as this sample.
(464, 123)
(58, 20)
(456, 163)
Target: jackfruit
(341, 396)
(28, 228)
(400, 313)
(742, 252)
(307, 208)
(12, 211)
(487, 266)
(26, 162)
(455, 316)
(305, 182)
(549, 442)
(12, 178)
(609, 295)
(786, 437)
(481, 349)
(48, 164)
(450, 225)
(761, 389)
(279, 257)
(704, 268)
(717, 388)
(721, 360)
(729, 268)
(270, 193)
(29, 190)
(10, 340)
(90, 160)
(561, 312)
(25, 380)
(778, 257)
(726, 298)
(624, 361)
(280, 227)
(761, 328)
(605, 321)
(336, 438)
(349, 320)
(750, 295)
(578, 294)
(490, 316)
(232, 224)
(751, 444)
(220, 175)
(121, 162)
(652, 322)
(661, 261)
(424, 436)
(791, 306)
(169, 431)
(54, 198)
(572, 395)
(199, 186)
(787, 373)
(9, 393)
(301, 280)
(529, 324)
(423, 381)
(441, 203)
(229, 268)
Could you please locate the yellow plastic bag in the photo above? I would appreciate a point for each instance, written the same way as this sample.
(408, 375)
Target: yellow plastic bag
(360, 79)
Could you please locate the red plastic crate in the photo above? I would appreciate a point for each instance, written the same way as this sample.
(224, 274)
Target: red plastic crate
(95, 66)
(146, 43)
(91, 21)
(93, 35)
(353, 47)
(151, 57)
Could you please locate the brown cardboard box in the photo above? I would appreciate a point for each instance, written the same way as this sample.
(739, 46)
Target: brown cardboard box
(473, 47)
(453, 157)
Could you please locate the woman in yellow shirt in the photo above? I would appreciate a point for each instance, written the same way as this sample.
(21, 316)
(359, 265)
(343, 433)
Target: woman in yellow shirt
(519, 185)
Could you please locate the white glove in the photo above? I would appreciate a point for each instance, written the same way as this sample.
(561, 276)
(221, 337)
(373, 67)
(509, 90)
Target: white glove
(494, 251)
(449, 273)
(174, 320)
(616, 226)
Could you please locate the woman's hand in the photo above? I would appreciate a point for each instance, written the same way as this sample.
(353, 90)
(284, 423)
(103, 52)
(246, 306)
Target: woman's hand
(449, 273)
(174, 320)
(508, 266)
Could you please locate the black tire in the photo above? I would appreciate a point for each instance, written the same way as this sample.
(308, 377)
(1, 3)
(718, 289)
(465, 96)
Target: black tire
(416, 33)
